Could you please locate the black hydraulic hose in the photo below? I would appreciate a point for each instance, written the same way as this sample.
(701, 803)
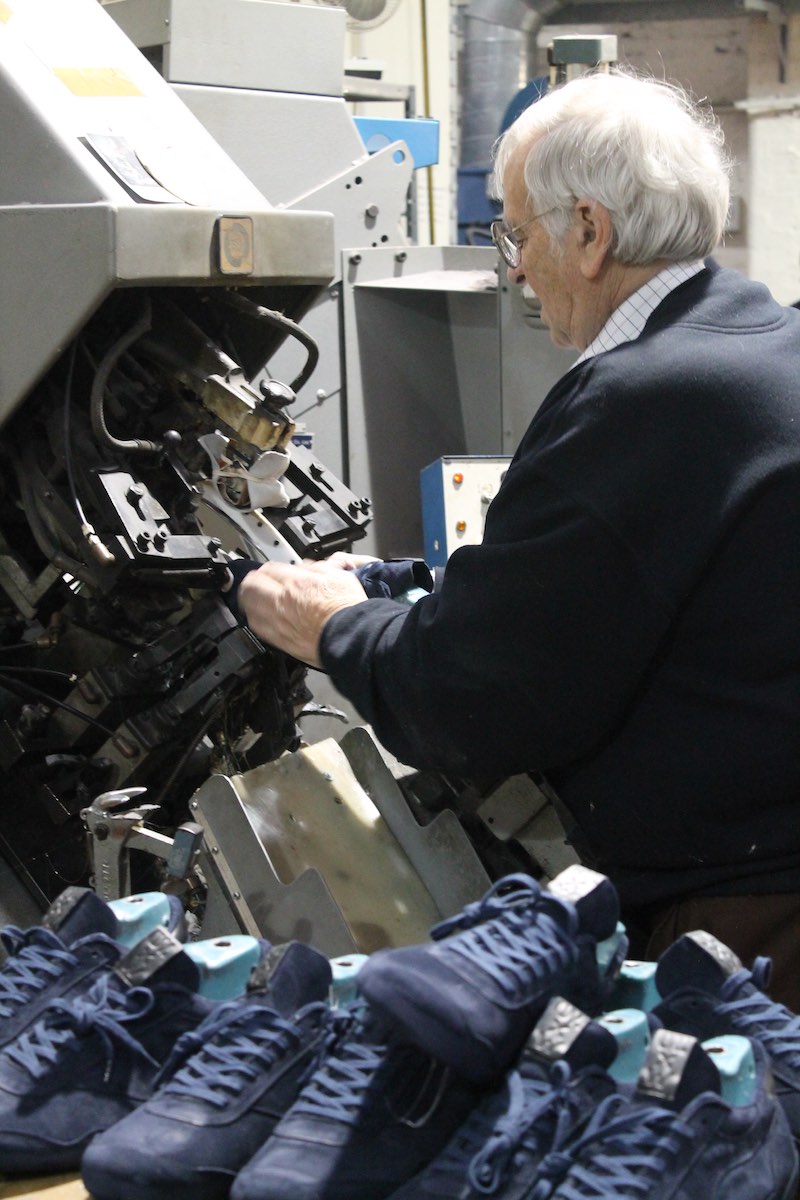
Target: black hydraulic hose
(27, 692)
(279, 321)
(98, 392)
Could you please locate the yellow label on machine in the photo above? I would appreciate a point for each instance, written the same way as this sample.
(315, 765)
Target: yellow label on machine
(95, 81)
(5, 12)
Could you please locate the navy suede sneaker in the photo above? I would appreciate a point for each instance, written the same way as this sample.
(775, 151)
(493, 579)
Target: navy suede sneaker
(472, 996)
(80, 937)
(677, 1138)
(372, 1114)
(90, 1059)
(561, 1078)
(706, 992)
(227, 1084)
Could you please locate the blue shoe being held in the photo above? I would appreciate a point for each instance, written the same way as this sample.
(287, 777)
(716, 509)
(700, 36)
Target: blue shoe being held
(559, 1081)
(225, 1086)
(372, 1114)
(677, 1138)
(80, 937)
(707, 992)
(472, 996)
(90, 1059)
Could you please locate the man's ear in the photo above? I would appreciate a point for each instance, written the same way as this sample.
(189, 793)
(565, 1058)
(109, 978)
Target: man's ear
(594, 233)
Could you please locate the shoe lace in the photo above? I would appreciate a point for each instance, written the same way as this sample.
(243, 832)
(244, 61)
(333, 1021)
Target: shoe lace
(36, 958)
(623, 1151)
(104, 1012)
(519, 952)
(348, 1065)
(755, 1014)
(509, 891)
(237, 1046)
(539, 1115)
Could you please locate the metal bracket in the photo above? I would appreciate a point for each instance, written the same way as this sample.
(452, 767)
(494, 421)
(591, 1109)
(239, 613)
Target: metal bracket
(114, 834)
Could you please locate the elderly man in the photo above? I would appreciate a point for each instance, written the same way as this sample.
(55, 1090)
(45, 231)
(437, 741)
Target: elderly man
(630, 625)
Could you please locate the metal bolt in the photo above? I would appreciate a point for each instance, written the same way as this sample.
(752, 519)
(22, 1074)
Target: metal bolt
(371, 210)
(401, 256)
(355, 259)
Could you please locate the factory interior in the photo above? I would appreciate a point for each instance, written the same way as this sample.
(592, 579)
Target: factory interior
(252, 309)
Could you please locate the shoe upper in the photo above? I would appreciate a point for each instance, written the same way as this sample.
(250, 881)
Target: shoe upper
(224, 1086)
(543, 1102)
(707, 992)
(471, 996)
(676, 1138)
(90, 1059)
(76, 941)
(372, 1113)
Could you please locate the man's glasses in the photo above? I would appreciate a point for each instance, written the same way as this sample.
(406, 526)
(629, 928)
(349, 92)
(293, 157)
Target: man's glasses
(505, 239)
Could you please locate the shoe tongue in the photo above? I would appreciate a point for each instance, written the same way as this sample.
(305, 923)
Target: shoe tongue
(695, 960)
(564, 1032)
(158, 958)
(593, 897)
(77, 912)
(676, 1070)
(289, 976)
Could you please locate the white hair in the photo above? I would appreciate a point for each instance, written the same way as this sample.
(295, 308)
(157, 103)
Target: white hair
(642, 148)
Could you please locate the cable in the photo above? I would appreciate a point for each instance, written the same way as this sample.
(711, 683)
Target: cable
(99, 549)
(97, 396)
(25, 689)
(279, 321)
(8, 669)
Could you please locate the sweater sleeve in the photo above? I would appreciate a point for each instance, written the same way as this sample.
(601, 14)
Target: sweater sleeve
(527, 656)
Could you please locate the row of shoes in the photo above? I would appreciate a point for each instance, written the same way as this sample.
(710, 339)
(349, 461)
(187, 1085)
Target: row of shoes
(517, 1054)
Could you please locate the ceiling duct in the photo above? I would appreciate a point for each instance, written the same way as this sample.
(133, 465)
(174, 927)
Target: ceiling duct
(499, 44)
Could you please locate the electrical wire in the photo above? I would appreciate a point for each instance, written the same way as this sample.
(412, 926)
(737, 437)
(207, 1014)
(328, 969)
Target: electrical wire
(25, 690)
(8, 669)
(100, 382)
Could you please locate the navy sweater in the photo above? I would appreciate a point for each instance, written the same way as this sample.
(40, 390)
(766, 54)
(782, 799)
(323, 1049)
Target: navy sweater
(630, 625)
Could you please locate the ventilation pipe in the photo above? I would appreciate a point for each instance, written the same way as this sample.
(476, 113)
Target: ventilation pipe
(498, 59)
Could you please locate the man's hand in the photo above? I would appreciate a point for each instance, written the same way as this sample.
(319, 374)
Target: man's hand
(287, 606)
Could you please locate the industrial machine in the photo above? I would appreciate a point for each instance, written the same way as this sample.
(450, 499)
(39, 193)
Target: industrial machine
(145, 283)
(149, 294)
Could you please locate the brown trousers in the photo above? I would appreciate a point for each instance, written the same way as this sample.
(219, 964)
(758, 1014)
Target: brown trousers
(748, 925)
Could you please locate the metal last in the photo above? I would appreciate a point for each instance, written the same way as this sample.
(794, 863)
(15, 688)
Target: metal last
(319, 846)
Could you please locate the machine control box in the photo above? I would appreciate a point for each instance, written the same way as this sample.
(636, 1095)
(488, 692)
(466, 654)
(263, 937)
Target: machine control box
(456, 494)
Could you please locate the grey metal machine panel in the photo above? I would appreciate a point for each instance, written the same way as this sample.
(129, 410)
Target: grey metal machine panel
(97, 224)
(285, 143)
(422, 368)
(240, 43)
(322, 845)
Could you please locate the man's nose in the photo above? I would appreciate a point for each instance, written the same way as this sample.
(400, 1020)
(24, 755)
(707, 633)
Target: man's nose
(515, 275)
